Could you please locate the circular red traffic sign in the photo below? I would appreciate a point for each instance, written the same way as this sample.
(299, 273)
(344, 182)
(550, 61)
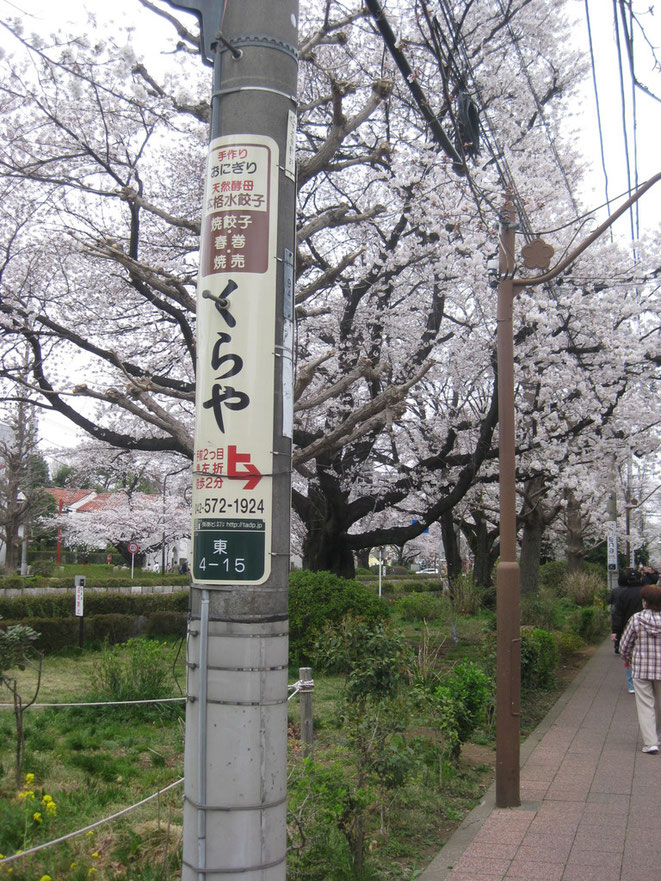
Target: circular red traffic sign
(133, 548)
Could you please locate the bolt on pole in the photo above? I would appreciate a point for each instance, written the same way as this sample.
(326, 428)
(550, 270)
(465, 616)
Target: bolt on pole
(508, 653)
(235, 759)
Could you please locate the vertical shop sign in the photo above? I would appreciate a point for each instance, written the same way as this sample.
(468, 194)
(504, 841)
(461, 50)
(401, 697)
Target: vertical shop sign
(232, 484)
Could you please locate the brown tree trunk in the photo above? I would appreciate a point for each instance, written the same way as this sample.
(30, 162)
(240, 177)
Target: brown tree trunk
(531, 546)
(575, 544)
(450, 545)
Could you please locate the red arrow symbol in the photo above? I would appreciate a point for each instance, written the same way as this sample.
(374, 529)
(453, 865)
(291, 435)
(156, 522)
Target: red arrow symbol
(249, 472)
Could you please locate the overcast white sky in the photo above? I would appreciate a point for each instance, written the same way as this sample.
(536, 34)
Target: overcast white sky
(50, 13)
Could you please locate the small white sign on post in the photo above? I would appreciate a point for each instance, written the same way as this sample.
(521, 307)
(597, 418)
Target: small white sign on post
(611, 542)
(79, 600)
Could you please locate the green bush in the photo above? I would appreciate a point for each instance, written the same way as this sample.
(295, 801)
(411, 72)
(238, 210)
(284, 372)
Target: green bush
(421, 607)
(541, 609)
(317, 599)
(469, 688)
(374, 657)
(360, 570)
(139, 669)
(591, 623)
(568, 644)
(551, 574)
(43, 567)
(539, 658)
(467, 596)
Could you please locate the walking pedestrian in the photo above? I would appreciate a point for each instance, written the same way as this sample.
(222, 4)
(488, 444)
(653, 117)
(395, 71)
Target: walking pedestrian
(640, 646)
(625, 601)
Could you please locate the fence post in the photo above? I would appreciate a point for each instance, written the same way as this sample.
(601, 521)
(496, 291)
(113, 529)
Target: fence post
(305, 691)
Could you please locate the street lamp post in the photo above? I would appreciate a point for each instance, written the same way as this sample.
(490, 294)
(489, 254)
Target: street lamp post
(508, 663)
(508, 678)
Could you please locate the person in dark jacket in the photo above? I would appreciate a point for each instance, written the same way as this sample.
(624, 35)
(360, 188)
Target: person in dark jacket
(625, 601)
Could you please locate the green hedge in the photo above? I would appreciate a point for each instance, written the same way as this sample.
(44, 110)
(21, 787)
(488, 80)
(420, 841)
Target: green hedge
(56, 634)
(20, 582)
(166, 624)
(62, 605)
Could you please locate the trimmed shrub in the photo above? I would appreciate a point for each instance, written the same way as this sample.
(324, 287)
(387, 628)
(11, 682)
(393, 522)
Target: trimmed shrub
(111, 628)
(420, 585)
(54, 633)
(539, 658)
(54, 605)
(166, 624)
(317, 599)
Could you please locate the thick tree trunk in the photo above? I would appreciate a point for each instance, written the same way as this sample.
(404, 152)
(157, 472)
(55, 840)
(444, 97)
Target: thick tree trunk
(531, 547)
(363, 558)
(482, 548)
(450, 545)
(575, 545)
(325, 545)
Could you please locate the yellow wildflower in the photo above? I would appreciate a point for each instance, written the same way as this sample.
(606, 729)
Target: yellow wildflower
(37, 817)
(45, 878)
(91, 872)
(73, 865)
(96, 854)
(29, 779)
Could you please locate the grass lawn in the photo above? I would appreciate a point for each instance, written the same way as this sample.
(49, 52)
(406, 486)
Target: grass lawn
(92, 762)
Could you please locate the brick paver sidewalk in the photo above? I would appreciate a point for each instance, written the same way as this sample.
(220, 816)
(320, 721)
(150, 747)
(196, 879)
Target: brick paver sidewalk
(590, 800)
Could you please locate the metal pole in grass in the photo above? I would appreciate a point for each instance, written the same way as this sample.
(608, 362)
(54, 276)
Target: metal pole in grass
(235, 757)
(306, 689)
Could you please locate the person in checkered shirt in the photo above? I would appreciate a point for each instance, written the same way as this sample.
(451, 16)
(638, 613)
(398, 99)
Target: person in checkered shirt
(640, 646)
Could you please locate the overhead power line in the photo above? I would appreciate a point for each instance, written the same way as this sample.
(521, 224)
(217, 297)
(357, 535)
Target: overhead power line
(410, 78)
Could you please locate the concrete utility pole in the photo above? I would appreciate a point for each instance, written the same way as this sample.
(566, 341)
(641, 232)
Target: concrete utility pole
(537, 255)
(235, 758)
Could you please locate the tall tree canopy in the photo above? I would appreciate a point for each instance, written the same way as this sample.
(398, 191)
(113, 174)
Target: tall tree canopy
(406, 145)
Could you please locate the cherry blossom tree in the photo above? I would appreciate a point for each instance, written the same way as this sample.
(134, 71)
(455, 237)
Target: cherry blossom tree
(395, 399)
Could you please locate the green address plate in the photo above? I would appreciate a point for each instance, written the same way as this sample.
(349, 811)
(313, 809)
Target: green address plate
(228, 550)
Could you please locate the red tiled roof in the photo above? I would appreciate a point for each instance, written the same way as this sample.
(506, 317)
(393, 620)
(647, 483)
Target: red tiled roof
(100, 502)
(69, 497)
